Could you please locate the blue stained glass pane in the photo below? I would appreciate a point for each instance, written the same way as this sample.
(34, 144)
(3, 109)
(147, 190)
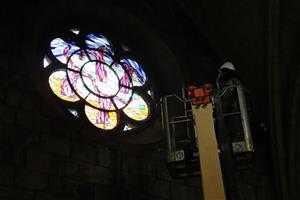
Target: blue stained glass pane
(62, 50)
(98, 41)
(136, 72)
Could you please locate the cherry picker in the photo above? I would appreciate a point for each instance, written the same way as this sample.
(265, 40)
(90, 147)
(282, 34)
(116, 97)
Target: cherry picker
(209, 135)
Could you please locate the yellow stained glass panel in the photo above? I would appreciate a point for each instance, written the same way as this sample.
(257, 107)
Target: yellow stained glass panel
(101, 119)
(60, 86)
(137, 109)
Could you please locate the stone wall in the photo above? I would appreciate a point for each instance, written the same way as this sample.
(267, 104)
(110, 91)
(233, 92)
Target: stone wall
(44, 157)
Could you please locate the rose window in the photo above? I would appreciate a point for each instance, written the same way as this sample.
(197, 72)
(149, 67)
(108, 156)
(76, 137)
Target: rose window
(112, 92)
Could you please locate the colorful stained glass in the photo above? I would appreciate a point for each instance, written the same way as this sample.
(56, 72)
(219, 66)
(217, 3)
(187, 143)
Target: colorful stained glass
(60, 86)
(77, 60)
(102, 103)
(62, 50)
(98, 41)
(77, 84)
(137, 109)
(106, 85)
(100, 56)
(135, 71)
(123, 97)
(101, 119)
(122, 75)
(100, 79)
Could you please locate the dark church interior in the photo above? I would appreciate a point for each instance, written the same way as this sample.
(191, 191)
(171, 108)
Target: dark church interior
(46, 153)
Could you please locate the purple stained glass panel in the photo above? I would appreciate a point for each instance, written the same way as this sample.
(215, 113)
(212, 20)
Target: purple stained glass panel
(77, 60)
(100, 56)
(77, 84)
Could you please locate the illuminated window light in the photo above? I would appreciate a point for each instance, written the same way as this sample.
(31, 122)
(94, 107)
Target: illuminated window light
(46, 62)
(107, 87)
(74, 30)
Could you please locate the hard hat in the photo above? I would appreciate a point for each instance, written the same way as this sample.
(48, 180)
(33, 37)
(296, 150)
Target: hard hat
(228, 65)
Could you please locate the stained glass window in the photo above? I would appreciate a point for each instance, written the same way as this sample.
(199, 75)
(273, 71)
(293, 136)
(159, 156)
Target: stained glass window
(112, 92)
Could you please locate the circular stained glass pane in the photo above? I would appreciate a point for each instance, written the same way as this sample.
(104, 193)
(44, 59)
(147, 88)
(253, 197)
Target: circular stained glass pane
(100, 79)
(106, 85)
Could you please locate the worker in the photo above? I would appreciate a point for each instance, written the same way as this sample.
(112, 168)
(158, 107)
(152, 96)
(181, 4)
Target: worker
(228, 75)
(227, 79)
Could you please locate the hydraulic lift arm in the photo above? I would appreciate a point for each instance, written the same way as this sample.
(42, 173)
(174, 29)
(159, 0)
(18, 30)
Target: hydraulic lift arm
(211, 173)
(219, 150)
(210, 166)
